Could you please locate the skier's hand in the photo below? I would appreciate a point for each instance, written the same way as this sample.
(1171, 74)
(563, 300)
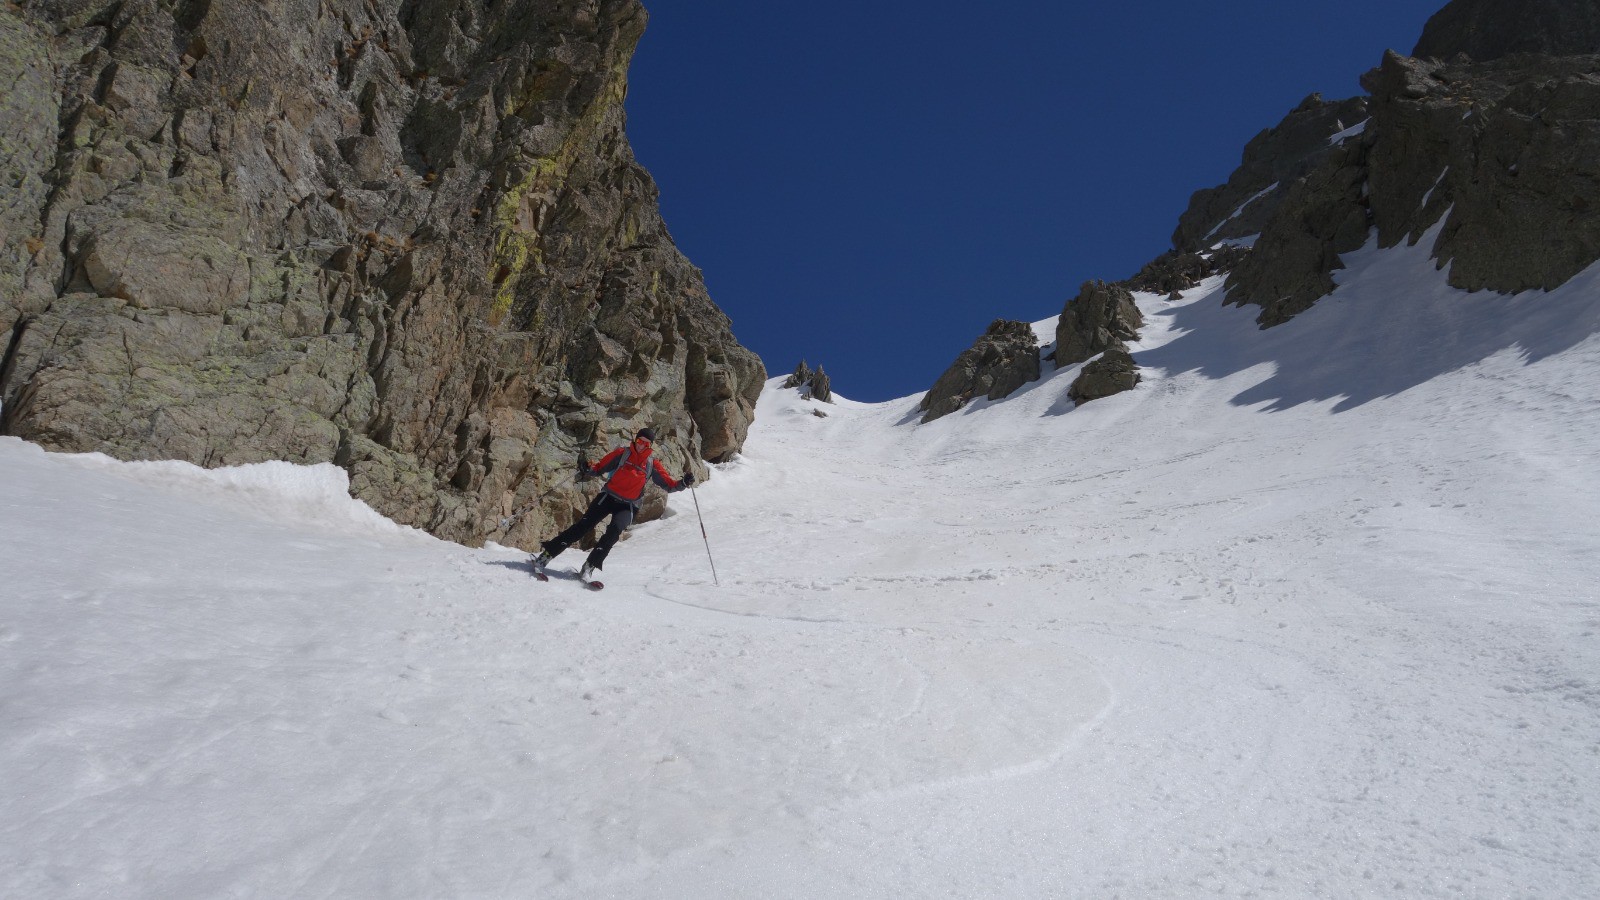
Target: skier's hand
(584, 472)
(687, 479)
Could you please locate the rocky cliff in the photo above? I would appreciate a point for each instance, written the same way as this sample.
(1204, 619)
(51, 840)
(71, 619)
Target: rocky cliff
(406, 237)
(1502, 156)
(1487, 137)
(1488, 132)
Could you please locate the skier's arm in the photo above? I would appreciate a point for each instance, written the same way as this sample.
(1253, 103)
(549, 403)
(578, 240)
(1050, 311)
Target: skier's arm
(658, 474)
(608, 462)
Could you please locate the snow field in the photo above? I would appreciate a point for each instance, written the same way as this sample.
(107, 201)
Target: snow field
(1310, 613)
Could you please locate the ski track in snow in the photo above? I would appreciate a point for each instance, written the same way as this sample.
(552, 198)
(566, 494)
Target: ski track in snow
(1311, 613)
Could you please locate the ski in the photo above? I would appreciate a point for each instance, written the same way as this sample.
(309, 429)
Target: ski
(591, 584)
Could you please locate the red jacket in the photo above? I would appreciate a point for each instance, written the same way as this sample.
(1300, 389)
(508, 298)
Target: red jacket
(631, 471)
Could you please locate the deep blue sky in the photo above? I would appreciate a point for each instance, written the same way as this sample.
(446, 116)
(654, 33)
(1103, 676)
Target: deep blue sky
(868, 183)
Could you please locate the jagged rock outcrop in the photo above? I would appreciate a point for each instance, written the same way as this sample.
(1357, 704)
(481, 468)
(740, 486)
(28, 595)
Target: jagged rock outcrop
(800, 377)
(1489, 29)
(1100, 316)
(1114, 372)
(817, 384)
(1506, 149)
(1099, 319)
(1004, 358)
(821, 386)
(408, 238)
(1273, 161)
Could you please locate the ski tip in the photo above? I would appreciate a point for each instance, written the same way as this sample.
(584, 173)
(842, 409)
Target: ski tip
(541, 576)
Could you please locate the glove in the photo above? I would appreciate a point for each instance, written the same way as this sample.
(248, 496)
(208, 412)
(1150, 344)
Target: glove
(584, 472)
(687, 479)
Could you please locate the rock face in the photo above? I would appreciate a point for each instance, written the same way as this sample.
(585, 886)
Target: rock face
(1005, 358)
(1113, 373)
(408, 238)
(1100, 316)
(1489, 29)
(1504, 153)
(1273, 161)
(1520, 177)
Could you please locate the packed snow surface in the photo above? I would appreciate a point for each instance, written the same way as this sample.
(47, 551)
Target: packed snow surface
(1313, 612)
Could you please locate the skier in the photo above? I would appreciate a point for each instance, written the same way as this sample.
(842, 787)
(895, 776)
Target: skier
(631, 467)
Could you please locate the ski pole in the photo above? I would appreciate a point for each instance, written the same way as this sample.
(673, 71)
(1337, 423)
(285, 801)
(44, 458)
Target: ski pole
(703, 536)
(694, 435)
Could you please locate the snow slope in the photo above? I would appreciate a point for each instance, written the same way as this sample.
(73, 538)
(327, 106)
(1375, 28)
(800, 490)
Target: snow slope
(1313, 612)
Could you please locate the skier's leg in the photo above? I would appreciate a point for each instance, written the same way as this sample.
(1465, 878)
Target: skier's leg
(620, 520)
(591, 517)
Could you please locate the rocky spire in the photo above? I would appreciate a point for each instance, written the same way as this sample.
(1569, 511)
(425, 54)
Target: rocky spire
(815, 382)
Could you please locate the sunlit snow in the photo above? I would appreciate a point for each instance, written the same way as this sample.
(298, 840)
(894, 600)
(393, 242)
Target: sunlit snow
(1312, 612)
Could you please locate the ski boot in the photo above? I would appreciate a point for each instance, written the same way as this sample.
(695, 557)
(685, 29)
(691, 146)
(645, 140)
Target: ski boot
(586, 575)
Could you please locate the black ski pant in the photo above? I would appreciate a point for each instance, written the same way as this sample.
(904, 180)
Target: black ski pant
(606, 504)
